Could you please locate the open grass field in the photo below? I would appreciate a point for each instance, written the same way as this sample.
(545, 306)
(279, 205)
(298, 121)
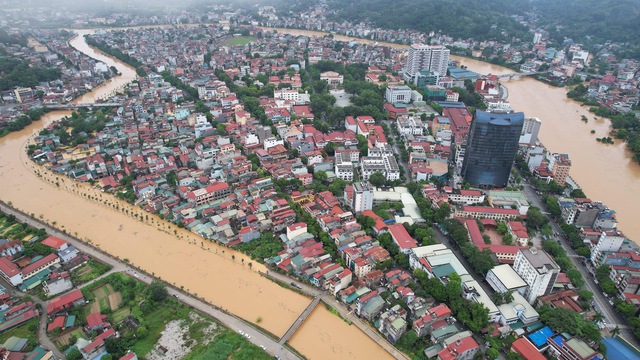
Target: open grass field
(21, 331)
(228, 345)
(239, 40)
(120, 315)
(63, 340)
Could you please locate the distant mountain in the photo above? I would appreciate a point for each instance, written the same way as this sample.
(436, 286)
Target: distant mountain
(593, 22)
(588, 22)
(483, 20)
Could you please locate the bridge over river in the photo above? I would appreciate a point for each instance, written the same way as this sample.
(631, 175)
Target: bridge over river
(81, 105)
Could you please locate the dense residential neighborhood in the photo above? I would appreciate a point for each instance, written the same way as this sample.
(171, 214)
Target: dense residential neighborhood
(399, 182)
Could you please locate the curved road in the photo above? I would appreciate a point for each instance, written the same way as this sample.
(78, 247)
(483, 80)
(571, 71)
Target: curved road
(601, 301)
(234, 323)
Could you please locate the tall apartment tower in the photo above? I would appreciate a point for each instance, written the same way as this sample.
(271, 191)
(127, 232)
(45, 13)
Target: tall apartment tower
(492, 145)
(422, 57)
(530, 131)
(362, 197)
(560, 168)
(537, 37)
(538, 270)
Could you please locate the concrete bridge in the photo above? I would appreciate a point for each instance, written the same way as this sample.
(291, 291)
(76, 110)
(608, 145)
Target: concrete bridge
(296, 324)
(519, 75)
(81, 105)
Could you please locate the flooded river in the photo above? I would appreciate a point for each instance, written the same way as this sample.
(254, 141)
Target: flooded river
(222, 276)
(175, 255)
(605, 172)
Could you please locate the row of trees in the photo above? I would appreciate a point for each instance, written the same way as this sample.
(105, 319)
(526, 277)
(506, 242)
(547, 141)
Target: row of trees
(137, 64)
(23, 121)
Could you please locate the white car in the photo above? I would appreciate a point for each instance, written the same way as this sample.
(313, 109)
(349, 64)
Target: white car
(240, 332)
(247, 336)
(263, 347)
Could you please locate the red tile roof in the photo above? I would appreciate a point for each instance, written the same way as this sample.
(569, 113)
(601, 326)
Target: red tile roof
(402, 237)
(53, 242)
(63, 301)
(525, 349)
(42, 262)
(8, 268)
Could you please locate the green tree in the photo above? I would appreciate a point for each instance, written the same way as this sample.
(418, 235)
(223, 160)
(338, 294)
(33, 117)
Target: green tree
(501, 228)
(377, 179)
(535, 219)
(157, 291)
(492, 353)
(576, 277)
(626, 309)
(74, 354)
(320, 176)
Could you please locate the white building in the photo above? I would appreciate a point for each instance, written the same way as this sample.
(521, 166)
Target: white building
(362, 197)
(398, 94)
(287, 94)
(343, 166)
(466, 197)
(518, 310)
(609, 241)
(538, 270)
(426, 58)
(438, 259)
(530, 130)
(332, 78)
(537, 37)
(410, 125)
(271, 142)
(503, 278)
(386, 165)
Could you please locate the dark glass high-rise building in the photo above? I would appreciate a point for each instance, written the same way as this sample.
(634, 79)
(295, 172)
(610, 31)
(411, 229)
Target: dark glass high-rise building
(491, 148)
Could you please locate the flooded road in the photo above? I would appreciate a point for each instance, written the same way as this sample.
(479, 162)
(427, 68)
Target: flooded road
(220, 275)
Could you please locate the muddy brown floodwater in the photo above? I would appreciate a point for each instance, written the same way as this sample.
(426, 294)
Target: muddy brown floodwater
(217, 274)
(605, 172)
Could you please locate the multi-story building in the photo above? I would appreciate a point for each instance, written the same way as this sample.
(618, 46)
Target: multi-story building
(344, 166)
(426, 58)
(530, 130)
(386, 165)
(608, 242)
(503, 278)
(362, 197)
(567, 348)
(491, 148)
(332, 78)
(561, 164)
(486, 212)
(410, 125)
(398, 94)
(210, 193)
(538, 270)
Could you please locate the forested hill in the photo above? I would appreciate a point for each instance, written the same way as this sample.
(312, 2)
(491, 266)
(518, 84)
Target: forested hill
(589, 22)
(593, 22)
(482, 20)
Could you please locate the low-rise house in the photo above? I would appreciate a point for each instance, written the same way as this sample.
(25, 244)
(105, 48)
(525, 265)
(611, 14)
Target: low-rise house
(65, 302)
(462, 349)
(57, 284)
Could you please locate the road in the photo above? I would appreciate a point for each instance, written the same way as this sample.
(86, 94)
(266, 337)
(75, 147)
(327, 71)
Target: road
(601, 301)
(255, 335)
(43, 338)
(402, 163)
